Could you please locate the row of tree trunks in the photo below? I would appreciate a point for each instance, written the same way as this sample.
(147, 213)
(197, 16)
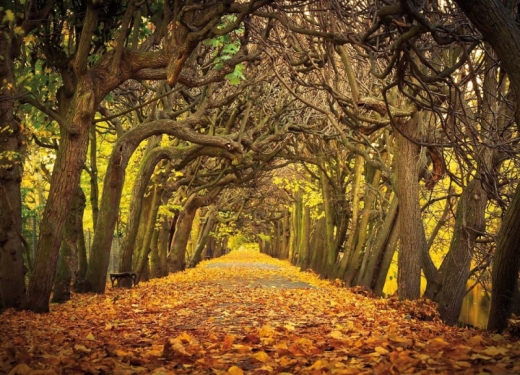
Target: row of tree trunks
(141, 261)
(144, 173)
(363, 230)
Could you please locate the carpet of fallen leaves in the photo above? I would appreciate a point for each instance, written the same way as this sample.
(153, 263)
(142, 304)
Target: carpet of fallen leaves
(244, 319)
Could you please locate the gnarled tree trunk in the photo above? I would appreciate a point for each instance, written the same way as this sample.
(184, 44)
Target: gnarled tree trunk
(68, 260)
(411, 231)
(12, 272)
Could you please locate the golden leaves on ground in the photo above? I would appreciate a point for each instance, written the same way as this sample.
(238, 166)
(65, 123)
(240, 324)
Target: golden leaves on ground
(245, 313)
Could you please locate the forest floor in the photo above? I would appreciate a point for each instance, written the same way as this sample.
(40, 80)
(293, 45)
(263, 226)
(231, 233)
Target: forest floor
(245, 313)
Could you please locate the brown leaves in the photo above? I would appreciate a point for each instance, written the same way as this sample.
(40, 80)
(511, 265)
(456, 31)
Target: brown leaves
(245, 319)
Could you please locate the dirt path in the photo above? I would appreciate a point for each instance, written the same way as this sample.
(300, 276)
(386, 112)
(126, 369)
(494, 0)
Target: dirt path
(244, 313)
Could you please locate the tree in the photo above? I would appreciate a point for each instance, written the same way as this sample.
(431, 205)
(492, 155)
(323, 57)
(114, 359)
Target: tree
(17, 21)
(86, 83)
(496, 21)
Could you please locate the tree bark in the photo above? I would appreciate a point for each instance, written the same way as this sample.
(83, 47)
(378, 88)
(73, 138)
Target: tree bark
(318, 245)
(470, 223)
(68, 260)
(177, 255)
(141, 182)
(204, 236)
(505, 266)
(141, 263)
(94, 185)
(330, 248)
(303, 257)
(363, 230)
(158, 260)
(65, 178)
(388, 255)
(377, 250)
(412, 231)
(12, 271)
(343, 264)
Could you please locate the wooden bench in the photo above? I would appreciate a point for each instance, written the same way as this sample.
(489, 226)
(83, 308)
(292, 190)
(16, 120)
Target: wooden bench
(123, 275)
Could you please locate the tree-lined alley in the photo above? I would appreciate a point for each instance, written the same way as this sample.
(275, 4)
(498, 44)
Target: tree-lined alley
(372, 142)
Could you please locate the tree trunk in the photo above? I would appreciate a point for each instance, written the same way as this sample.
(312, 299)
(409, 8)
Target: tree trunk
(177, 255)
(157, 267)
(388, 255)
(286, 234)
(318, 245)
(94, 184)
(330, 248)
(69, 249)
(149, 224)
(470, 222)
(303, 258)
(412, 231)
(377, 250)
(82, 254)
(343, 264)
(363, 230)
(177, 261)
(505, 266)
(296, 227)
(204, 235)
(12, 271)
(141, 182)
(162, 247)
(65, 178)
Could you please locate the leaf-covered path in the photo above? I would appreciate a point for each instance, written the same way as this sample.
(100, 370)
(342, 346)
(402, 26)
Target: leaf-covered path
(244, 313)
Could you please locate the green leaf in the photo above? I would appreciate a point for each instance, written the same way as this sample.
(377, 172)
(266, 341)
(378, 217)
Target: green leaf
(233, 79)
(230, 49)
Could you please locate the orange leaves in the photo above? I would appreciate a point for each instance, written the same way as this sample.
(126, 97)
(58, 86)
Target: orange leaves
(245, 315)
(261, 356)
(228, 342)
(438, 343)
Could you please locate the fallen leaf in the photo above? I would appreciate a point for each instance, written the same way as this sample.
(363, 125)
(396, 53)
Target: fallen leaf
(235, 370)
(82, 348)
(438, 343)
(318, 365)
(494, 351)
(476, 341)
(261, 356)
